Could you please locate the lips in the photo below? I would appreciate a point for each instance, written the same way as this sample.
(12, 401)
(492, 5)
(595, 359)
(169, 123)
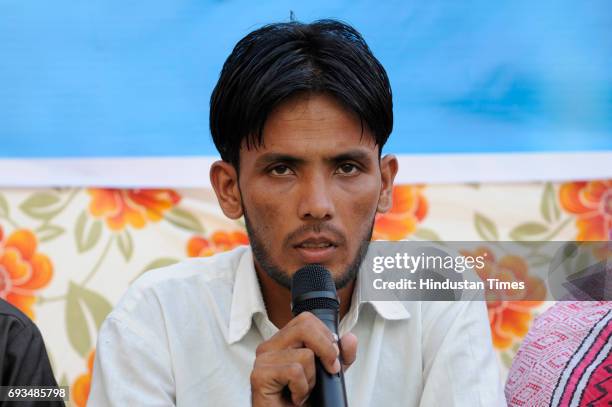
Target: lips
(316, 249)
(312, 245)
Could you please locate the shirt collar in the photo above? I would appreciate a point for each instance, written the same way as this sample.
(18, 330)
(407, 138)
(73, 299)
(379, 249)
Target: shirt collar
(247, 301)
(388, 310)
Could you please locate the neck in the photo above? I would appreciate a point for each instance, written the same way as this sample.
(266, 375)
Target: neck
(278, 299)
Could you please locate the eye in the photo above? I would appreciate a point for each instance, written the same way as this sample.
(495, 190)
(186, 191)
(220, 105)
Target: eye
(281, 170)
(348, 169)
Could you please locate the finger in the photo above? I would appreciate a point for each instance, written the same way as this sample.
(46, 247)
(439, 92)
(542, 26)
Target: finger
(303, 356)
(306, 330)
(286, 336)
(268, 382)
(348, 345)
(297, 383)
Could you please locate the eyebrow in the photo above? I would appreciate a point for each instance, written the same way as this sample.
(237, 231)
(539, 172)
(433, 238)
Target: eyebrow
(354, 155)
(269, 158)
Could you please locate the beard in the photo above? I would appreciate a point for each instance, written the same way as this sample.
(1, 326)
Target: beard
(261, 253)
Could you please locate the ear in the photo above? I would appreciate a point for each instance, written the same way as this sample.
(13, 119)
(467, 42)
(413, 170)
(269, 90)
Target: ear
(224, 179)
(388, 170)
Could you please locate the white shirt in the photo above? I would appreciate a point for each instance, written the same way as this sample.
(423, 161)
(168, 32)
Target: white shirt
(185, 335)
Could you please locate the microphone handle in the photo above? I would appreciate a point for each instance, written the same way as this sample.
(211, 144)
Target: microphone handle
(329, 390)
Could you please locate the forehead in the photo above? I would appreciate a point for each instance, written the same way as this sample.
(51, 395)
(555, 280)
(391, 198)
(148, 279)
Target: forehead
(311, 125)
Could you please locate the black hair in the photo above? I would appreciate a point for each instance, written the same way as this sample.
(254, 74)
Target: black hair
(279, 60)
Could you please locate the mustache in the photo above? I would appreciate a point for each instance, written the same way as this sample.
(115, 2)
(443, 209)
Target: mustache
(317, 228)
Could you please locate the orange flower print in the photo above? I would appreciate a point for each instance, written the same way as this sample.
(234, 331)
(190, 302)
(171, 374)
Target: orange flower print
(80, 387)
(23, 270)
(131, 206)
(219, 241)
(509, 314)
(409, 209)
(591, 202)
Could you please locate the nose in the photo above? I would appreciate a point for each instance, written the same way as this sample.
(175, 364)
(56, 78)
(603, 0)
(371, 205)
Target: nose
(315, 198)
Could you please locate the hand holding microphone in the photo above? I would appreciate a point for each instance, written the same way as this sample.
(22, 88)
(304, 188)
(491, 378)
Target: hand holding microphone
(304, 357)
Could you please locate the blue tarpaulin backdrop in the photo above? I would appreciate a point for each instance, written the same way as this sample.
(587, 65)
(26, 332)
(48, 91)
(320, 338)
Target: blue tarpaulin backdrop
(133, 79)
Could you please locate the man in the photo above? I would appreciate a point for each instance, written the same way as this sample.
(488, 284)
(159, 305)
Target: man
(23, 356)
(299, 115)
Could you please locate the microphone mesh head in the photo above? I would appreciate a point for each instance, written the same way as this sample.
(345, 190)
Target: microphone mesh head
(313, 277)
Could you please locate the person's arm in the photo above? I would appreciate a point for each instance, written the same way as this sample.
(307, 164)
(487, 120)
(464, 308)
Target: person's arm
(459, 365)
(23, 358)
(132, 365)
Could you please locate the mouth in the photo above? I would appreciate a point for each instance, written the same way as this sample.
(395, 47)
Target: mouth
(316, 250)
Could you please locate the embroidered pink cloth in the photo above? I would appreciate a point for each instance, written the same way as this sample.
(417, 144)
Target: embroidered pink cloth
(565, 358)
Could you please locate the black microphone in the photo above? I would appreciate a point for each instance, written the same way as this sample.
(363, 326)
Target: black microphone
(313, 290)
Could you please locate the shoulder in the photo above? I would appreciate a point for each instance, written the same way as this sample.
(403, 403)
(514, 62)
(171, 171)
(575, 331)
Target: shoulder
(200, 270)
(179, 287)
(14, 323)
(11, 313)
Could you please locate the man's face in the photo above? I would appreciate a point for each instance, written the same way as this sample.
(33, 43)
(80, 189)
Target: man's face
(310, 193)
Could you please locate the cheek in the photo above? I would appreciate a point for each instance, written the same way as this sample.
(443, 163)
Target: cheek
(362, 196)
(266, 214)
(359, 207)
